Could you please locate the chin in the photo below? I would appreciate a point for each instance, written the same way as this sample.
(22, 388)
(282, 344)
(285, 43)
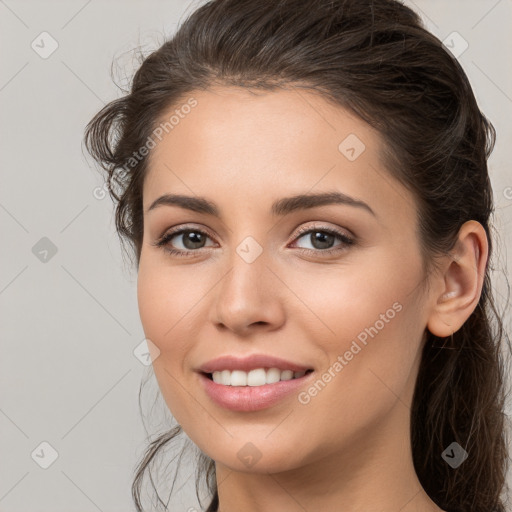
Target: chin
(263, 460)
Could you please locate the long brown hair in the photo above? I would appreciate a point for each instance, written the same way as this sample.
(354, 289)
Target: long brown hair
(375, 58)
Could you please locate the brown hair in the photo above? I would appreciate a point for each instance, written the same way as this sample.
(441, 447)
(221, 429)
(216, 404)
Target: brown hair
(376, 59)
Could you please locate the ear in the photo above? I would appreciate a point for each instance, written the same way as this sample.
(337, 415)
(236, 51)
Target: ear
(460, 281)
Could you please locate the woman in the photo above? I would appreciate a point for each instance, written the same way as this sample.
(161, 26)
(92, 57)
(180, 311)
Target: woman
(304, 186)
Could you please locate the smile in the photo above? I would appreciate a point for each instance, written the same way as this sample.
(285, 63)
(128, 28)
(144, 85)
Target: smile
(255, 397)
(256, 377)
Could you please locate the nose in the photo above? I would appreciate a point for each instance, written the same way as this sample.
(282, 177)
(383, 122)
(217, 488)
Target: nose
(249, 298)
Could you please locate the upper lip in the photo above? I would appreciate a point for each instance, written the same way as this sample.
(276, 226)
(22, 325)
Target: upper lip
(249, 363)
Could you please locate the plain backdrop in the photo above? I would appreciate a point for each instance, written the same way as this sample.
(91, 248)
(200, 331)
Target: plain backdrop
(69, 377)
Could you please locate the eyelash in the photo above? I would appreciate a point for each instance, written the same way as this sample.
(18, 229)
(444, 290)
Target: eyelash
(165, 239)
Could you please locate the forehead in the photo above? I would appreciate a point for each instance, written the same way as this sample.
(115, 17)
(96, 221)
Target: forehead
(269, 144)
(249, 121)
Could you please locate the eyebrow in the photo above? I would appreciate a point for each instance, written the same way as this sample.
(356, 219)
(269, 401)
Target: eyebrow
(280, 207)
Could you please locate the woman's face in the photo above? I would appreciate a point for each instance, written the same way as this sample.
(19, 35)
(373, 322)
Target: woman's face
(249, 283)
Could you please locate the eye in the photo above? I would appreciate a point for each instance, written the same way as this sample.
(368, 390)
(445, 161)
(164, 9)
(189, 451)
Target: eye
(192, 239)
(322, 238)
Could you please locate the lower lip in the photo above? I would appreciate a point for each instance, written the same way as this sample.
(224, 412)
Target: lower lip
(251, 398)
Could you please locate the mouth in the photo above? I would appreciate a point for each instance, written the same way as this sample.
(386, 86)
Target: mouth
(255, 378)
(255, 390)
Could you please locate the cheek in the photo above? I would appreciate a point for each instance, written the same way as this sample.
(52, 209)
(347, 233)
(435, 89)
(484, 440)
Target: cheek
(152, 303)
(337, 305)
(367, 320)
(166, 302)
(370, 371)
(162, 312)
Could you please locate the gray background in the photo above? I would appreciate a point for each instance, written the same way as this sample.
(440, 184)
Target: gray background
(70, 324)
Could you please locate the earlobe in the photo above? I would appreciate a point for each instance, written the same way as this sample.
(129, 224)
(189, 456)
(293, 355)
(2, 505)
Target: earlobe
(461, 281)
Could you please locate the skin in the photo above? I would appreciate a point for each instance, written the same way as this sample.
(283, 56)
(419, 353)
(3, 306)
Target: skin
(350, 444)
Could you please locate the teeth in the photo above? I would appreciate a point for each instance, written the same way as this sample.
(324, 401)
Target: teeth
(257, 377)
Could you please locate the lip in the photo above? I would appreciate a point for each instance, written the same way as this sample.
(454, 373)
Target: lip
(229, 362)
(252, 398)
